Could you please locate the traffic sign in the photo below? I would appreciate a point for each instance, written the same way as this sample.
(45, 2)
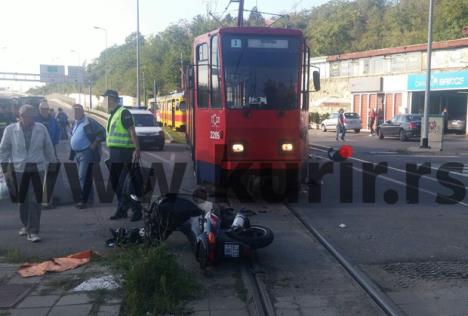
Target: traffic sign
(75, 74)
(52, 73)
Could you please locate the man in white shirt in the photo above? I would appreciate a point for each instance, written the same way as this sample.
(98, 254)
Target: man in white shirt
(26, 145)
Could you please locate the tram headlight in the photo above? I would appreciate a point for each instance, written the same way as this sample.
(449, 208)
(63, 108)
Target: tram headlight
(287, 147)
(237, 148)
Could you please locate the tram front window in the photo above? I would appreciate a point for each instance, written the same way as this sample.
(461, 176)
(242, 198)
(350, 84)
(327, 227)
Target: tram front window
(261, 72)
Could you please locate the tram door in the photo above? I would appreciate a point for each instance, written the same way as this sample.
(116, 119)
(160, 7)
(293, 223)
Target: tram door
(210, 115)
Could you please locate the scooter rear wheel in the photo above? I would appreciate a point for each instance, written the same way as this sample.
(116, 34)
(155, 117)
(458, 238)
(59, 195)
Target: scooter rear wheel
(255, 236)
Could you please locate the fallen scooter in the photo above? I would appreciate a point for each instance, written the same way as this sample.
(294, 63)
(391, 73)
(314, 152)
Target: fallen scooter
(214, 235)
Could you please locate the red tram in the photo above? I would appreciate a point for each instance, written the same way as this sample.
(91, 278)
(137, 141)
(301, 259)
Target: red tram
(247, 102)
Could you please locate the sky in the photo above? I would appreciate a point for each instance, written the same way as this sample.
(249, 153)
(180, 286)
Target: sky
(61, 32)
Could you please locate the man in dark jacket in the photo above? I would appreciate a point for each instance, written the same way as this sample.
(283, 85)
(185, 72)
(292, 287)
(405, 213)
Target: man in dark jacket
(85, 143)
(62, 120)
(49, 122)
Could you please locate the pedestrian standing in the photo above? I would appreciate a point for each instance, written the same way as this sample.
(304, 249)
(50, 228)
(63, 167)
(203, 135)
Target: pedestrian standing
(28, 147)
(50, 123)
(380, 117)
(124, 155)
(85, 143)
(445, 118)
(62, 120)
(371, 121)
(340, 126)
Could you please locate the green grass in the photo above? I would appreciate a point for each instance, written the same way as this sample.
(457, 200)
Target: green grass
(99, 297)
(241, 291)
(15, 256)
(153, 282)
(178, 137)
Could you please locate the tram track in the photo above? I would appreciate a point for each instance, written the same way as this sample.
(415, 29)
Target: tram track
(263, 300)
(369, 286)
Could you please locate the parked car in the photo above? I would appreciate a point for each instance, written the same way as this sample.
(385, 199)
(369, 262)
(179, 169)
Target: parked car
(150, 132)
(403, 126)
(352, 122)
(457, 125)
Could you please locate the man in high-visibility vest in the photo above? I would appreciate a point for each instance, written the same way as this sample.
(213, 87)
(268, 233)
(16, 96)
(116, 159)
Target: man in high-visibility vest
(124, 149)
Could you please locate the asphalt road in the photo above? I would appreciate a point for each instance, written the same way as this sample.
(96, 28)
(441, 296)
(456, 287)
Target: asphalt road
(416, 251)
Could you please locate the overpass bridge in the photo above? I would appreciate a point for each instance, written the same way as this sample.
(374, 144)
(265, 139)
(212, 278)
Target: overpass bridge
(16, 76)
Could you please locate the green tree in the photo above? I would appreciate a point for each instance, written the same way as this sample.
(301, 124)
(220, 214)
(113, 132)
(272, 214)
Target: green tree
(451, 17)
(255, 18)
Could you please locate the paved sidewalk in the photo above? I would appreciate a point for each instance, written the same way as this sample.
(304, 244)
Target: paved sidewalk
(51, 294)
(453, 144)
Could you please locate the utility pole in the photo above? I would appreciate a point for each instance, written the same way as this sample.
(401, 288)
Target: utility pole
(79, 79)
(144, 90)
(240, 17)
(427, 94)
(181, 73)
(106, 72)
(90, 95)
(138, 55)
(154, 97)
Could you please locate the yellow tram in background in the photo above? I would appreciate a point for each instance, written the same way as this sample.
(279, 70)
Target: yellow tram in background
(170, 110)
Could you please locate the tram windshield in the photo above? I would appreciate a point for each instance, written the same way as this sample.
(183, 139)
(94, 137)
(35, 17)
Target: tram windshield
(261, 72)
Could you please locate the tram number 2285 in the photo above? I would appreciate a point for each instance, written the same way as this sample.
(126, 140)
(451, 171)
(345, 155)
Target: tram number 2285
(216, 134)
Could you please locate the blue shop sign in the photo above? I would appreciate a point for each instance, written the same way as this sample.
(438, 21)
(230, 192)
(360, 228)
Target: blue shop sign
(439, 81)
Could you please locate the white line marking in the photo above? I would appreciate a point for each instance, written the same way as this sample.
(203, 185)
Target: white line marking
(169, 162)
(399, 170)
(393, 180)
(383, 153)
(432, 156)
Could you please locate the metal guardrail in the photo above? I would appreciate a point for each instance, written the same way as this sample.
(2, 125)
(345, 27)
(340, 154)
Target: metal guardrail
(97, 113)
(70, 102)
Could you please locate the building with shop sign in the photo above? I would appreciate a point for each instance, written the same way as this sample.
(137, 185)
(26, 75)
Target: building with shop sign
(393, 79)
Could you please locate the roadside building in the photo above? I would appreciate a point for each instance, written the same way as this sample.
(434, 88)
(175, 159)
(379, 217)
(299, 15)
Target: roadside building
(393, 79)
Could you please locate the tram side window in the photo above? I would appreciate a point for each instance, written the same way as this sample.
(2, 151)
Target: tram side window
(203, 90)
(215, 74)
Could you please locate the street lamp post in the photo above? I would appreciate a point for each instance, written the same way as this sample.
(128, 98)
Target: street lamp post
(138, 54)
(79, 82)
(427, 94)
(105, 56)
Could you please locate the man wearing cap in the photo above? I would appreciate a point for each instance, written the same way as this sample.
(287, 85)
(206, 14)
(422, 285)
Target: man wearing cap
(27, 146)
(124, 149)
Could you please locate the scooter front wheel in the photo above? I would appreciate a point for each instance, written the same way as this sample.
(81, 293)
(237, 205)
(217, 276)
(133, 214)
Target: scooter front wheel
(255, 236)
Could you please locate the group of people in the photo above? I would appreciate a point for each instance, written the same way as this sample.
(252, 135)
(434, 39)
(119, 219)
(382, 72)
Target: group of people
(375, 119)
(124, 154)
(28, 145)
